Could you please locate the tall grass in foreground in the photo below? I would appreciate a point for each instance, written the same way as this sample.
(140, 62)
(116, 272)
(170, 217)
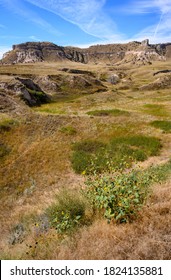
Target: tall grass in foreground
(117, 197)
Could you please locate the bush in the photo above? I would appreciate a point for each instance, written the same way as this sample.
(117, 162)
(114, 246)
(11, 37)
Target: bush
(67, 212)
(118, 197)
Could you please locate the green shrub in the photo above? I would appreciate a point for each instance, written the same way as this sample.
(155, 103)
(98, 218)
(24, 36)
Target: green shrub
(119, 196)
(67, 212)
(164, 125)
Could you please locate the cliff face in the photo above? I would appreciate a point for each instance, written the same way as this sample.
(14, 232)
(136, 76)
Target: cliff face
(133, 52)
(41, 51)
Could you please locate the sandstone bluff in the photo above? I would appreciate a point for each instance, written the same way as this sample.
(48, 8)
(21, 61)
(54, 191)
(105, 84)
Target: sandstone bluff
(133, 52)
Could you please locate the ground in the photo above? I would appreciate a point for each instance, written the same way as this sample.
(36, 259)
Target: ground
(37, 145)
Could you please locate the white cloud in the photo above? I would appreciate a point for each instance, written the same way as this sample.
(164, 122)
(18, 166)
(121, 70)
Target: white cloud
(18, 7)
(87, 15)
(3, 49)
(159, 32)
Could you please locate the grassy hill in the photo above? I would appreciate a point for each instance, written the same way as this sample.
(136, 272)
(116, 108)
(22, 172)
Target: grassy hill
(54, 159)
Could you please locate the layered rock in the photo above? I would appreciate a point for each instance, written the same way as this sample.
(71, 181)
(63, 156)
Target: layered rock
(25, 89)
(133, 52)
(31, 52)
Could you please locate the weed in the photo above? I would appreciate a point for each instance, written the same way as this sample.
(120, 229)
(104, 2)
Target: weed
(118, 196)
(164, 125)
(67, 212)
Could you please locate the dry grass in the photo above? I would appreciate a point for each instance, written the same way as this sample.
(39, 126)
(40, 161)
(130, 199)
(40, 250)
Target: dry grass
(38, 165)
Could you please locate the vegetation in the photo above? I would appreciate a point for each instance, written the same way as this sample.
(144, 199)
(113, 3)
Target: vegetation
(120, 209)
(68, 212)
(7, 123)
(4, 150)
(112, 112)
(68, 130)
(156, 110)
(164, 125)
(120, 152)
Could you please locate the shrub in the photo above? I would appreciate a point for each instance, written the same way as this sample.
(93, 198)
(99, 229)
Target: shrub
(164, 125)
(67, 212)
(119, 196)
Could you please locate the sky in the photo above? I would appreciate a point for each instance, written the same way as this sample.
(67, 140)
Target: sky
(83, 23)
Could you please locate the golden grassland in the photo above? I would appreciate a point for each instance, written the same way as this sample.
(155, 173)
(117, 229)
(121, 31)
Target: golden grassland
(37, 165)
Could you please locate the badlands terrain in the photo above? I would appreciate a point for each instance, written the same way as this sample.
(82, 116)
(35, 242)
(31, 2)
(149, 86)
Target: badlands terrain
(69, 118)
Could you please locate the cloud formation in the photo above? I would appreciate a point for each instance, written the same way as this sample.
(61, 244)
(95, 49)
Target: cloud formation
(87, 15)
(159, 32)
(18, 7)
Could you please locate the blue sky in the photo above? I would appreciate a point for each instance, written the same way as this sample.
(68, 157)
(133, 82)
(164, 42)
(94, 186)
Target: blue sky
(82, 22)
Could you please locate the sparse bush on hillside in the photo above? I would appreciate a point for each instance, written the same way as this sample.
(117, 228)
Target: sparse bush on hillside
(118, 196)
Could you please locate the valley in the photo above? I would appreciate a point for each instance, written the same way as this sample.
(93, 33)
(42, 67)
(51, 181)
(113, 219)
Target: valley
(63, 121)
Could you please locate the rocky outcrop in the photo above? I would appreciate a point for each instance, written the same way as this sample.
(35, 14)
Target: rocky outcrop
(133, 52)
(160, 83)
(31, 52)
(25, 89)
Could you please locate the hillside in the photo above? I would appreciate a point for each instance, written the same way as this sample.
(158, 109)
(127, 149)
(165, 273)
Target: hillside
(73, 132)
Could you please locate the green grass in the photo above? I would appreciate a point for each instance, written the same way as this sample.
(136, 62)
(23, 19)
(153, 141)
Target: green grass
(112, 112)
(120, 197)
(156, 110)
(68, 130)
(67, 212)
(163, 125)
(6, 124)
(95, 156)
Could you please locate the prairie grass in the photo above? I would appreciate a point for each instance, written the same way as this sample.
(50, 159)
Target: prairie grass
(120, 152)
(165, 126)
(156, 110)
(112, 112)
(39, 146)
